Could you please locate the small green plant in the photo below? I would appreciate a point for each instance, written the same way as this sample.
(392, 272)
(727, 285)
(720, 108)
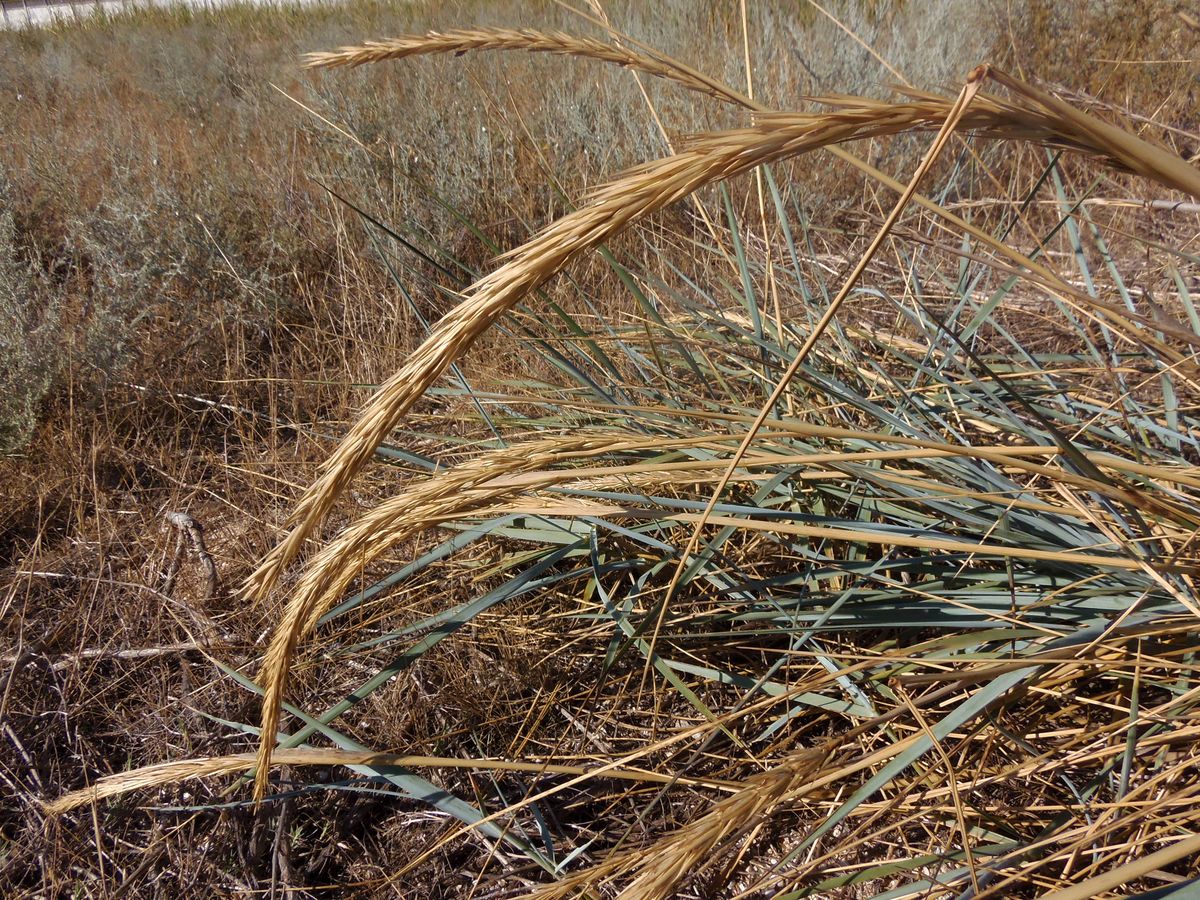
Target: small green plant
(30, 335)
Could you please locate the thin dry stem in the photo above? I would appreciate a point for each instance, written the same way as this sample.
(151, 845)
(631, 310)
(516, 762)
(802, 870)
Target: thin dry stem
(462, 40)
(178, 771)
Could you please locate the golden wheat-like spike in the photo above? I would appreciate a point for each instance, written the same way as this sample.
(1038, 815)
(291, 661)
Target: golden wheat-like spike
(453, 493)
(1131, 151)
(657, 870)
(190, 769)
(483, 485)
(464, 40)
(611, 209)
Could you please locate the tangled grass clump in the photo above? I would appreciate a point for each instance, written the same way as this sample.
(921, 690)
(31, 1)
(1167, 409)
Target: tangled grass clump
(933, 611)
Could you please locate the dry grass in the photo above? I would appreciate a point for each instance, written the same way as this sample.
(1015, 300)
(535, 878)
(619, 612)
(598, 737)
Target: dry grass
(963, 572)
(188, 769)
(526, 40)
(611, 209)
(1035, 117)
(1041, 118)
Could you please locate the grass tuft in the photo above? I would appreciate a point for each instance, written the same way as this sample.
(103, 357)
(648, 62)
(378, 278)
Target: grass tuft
(759, 553)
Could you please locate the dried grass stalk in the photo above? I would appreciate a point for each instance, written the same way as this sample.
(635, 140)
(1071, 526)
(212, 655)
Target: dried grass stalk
(658, 869)
(191, 769)
(476, 484)
(463, 40)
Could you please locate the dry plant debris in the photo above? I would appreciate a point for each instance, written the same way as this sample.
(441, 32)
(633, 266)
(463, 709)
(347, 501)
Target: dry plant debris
(932, 626)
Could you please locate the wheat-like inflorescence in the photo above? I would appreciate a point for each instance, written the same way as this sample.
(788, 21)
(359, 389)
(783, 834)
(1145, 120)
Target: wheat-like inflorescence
(482, 486)
(1069, 126)
(453, 493)
(190, 769)
(463, 40)
(657, 869)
